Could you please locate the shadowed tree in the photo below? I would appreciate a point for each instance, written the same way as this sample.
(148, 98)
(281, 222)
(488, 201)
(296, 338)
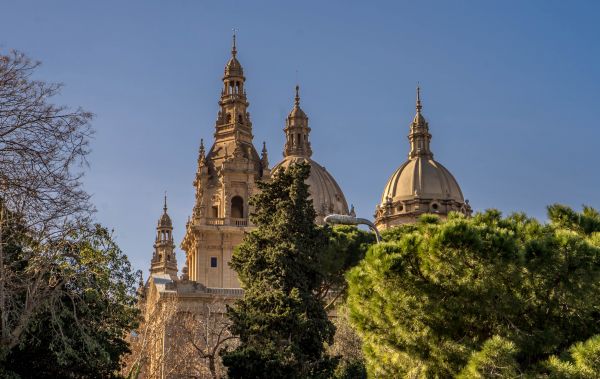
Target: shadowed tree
(281, 322)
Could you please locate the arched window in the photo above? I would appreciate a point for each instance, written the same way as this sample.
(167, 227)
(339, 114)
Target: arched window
(237, 207)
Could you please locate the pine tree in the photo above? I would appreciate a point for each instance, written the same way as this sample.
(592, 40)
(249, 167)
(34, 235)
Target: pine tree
(484, 297)
(281, 322)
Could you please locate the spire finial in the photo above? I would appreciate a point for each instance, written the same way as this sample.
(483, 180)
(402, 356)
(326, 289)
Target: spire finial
(297, 100)
(233, 47)
(419, 106)
(202, 146)
(165, 206)
(264, 149)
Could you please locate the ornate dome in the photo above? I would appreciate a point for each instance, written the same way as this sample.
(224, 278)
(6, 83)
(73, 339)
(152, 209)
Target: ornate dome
(421, 184)
(325, 192)
(422, 177)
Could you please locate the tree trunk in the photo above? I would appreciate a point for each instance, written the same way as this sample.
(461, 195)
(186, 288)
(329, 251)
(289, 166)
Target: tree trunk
(212, 368)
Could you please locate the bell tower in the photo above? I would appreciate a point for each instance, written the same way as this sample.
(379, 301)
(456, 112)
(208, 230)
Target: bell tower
(163, 259)
(225, 179)
(297, 131)
(233, 126)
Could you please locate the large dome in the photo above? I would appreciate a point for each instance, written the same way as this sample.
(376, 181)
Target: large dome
(422, 177)
(421, 184)
(326, 194)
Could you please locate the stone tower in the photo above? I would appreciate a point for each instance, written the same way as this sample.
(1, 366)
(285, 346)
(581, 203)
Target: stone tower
(225, 180)
(163, 259)
(325, 193)
(421, 184)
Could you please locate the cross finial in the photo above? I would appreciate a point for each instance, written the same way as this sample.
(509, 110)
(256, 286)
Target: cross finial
(419, 106)
(233, 48)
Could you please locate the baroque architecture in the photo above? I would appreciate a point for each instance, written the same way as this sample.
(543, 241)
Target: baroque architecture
(421, 184)
(225, 180)
(326, 194)
(185, 314)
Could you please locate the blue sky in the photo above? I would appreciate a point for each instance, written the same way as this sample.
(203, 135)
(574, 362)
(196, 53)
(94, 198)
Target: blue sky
(510, 89)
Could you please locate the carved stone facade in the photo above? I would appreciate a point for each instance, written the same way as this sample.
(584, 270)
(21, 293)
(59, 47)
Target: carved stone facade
(421, 184)
(225, 180)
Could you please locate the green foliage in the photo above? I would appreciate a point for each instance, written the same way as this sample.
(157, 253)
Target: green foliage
(81, 331)
(351, 369)
(583, 361)
(441, 297)
(281, 322)
(346, 247)
(496, 359)
(346, 346)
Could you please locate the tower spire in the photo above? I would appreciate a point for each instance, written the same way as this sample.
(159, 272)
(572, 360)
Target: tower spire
(202, 152)
(165, 206)
(297, 99)
(419, 106)
(233, 47)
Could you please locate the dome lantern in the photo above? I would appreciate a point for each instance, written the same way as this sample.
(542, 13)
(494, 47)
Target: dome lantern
(324, 191)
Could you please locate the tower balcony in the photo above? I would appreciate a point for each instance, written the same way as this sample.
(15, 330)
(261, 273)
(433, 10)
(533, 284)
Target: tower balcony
(215, 221)
(239, 221)
(221, 221)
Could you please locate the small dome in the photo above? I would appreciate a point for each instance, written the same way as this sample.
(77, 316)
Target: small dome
(297, 112)
(234, 68)
(165, 221)
(325, 192)
(421, 177)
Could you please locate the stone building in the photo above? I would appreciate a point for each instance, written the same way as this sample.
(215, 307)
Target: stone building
(421, 184)
(226, 177)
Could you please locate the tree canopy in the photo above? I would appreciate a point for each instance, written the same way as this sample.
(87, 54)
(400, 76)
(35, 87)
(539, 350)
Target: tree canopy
(79, 331)
(484, 297)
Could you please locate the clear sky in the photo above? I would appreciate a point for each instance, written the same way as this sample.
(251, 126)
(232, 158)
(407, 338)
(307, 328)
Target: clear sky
(510, 90)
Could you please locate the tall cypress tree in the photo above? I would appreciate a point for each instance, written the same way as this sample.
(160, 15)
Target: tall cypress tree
(281, 323)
